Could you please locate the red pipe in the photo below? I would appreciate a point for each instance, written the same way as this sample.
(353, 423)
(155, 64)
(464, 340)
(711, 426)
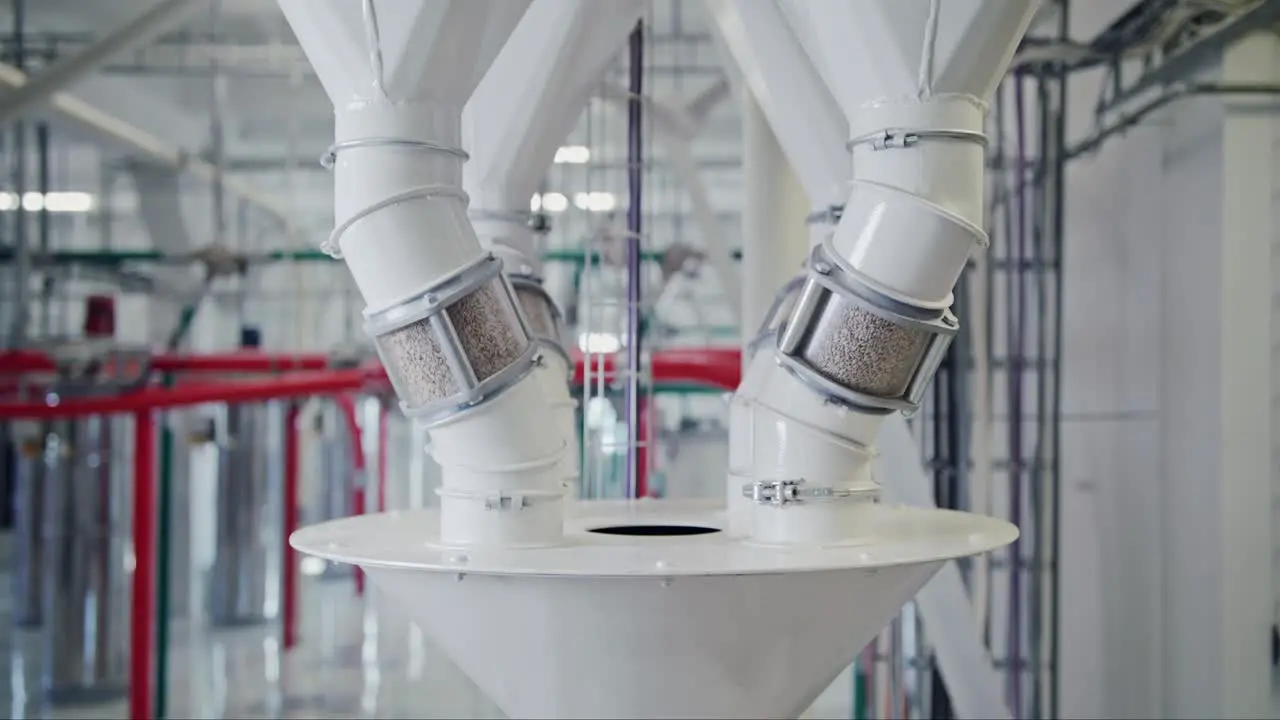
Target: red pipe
(717, 367)
(347, 407)
(239, 362)
(142, 620)
(292, 464)
(22, 361)
(642, 452)
(383, 432)
(228, 391)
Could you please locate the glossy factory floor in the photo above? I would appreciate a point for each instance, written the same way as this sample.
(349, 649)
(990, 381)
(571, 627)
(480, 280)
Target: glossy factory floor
(355, 659)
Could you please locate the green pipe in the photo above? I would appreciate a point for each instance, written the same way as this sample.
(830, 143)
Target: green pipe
(185, 321)
(677, 388)
(579, 256)
(163, 561)
(116, 257)
(859, 691)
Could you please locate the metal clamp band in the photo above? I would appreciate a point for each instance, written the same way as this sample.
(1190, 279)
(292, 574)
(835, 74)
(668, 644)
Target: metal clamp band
(554, 343)
(830, 216)
(423, 192)
(331, 155)
(539, 222)
(827, 278)
(515, 502)
(780, 493)
(897, 138)
(432, 306)
(506, 501)
(432, 301)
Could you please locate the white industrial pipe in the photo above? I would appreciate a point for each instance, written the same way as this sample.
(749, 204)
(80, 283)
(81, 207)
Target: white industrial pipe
(780, 85)
(445, 321)
(558, 53)
(871, 323)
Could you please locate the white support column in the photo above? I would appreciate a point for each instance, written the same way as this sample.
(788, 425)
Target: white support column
(774, 235)
(1216, 417)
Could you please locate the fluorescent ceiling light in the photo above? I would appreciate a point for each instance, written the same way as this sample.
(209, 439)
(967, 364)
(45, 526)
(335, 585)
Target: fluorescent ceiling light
(553, 202)
(599, 343)
(312, 566)
(54, 202)
(572, 155)
(595, 201)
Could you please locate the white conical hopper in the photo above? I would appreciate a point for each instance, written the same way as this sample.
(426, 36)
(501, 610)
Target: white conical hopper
(616, 626)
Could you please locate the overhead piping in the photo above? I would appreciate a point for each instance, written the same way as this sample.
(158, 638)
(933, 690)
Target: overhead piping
(150, 147)
(69, 70)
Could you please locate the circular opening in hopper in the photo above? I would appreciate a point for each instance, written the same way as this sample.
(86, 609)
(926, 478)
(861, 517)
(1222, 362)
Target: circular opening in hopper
(654, 530)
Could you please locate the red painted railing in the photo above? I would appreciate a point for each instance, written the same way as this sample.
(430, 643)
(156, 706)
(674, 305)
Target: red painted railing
(293, 376)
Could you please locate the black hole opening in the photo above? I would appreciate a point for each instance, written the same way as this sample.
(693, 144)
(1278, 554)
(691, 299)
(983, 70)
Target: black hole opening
(655, 530)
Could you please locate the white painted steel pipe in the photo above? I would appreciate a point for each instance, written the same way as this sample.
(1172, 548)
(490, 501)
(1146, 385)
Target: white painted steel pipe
(553, 376)
(774, 236)
(402, 227)
(500, 449)
(408, 247)
(560, 51)
(913, 215)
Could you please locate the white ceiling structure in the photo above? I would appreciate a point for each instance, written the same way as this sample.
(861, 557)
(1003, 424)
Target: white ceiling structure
(276, 120)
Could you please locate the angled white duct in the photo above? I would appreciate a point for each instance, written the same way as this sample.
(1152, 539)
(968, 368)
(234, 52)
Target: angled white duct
(515, 121)
(871, 323)
(800, 109)
(445, 320)
(812, 130)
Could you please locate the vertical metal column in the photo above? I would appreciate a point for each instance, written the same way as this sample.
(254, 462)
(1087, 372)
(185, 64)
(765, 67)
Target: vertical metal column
(336, 475)
(246, 577)
(20, 241)
(635, 174)
(30, 476)
(87, 558)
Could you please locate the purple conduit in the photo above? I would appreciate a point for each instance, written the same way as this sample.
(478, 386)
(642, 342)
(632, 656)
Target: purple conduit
(635, 146)
(1017, 330)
